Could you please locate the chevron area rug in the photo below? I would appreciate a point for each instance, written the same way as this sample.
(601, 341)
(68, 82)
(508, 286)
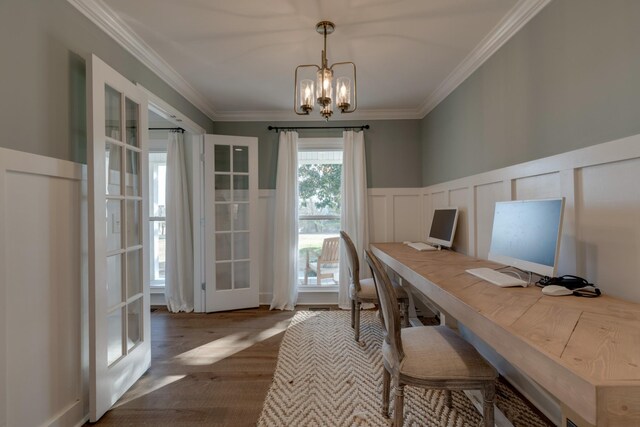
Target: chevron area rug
(324, 378)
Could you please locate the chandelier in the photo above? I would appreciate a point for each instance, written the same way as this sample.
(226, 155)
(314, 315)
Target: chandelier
(304, 94)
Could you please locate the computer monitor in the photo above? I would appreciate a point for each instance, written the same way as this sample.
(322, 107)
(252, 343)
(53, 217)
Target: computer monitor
(443, 227)
(526, 234)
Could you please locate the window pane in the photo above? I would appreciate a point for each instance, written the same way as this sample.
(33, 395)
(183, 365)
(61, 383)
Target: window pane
(133, 173)
(131, 110)
(241, 216)
(134, 273)
(112, 106)
(319, 185)
(114, 336)
(240, 245)
(223, 276)
(112, 168)
(223, 247)
(134, 231)
(158, 250)
(157, 183)
(113, 224)
(240, 188)
(134, 323)
(223, 217)
(240, 159)
(241, 274)
(222, 155)
(223, 188)
(114, 280)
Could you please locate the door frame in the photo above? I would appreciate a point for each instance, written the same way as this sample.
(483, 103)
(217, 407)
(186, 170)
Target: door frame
(195, 138)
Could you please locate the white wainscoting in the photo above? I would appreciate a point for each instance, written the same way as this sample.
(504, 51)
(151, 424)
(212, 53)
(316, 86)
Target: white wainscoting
(43, 319)
(601, 227)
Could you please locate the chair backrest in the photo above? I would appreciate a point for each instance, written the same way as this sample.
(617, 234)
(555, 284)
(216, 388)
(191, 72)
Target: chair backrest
(388, 305)
(352, 260)
(330, 251)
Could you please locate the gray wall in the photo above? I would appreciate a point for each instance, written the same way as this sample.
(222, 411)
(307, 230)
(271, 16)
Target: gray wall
(42, 77)
(569, 79)
(392, 147)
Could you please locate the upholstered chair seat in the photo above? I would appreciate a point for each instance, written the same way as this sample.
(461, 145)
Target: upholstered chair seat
(368, 290)
(436, 353)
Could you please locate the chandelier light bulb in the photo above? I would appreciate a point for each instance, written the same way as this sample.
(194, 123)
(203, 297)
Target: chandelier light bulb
(343, 100)
(306, 95)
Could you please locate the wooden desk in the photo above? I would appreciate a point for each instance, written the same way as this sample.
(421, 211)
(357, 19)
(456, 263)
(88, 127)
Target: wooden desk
(585, 352)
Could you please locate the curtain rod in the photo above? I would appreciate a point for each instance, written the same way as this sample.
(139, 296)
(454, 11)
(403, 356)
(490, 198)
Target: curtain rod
(175, 129)
(278, 128)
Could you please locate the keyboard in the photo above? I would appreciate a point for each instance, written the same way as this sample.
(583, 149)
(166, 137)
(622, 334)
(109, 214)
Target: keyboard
(497, 278)
(420, 246)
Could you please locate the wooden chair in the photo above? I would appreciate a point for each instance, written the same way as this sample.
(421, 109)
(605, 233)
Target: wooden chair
(364, 291)
(432, 357)
(327, 264)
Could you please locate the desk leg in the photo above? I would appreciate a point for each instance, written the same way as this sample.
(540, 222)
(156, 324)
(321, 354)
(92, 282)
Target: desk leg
(413, 316)
(448, 320)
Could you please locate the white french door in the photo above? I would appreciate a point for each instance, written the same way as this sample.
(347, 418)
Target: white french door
(119, 333)
(231, 197)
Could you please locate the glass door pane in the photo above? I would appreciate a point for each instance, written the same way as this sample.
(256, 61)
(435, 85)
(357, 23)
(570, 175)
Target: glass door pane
(123, 223)
(231, 169)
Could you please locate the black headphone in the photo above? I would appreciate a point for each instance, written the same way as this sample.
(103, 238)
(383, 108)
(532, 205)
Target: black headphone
(580, 287)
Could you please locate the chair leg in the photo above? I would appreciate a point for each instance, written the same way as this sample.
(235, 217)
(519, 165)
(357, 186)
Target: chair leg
(353, 313)
(399, 403)
(448, 401)
(357, 321)
(386, 389)
(489, 396)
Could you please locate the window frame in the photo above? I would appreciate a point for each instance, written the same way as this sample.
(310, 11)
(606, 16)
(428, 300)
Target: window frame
(318, 144)
(155, 146)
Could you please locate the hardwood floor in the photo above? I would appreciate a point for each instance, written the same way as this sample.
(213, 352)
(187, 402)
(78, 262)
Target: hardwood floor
(206, 369)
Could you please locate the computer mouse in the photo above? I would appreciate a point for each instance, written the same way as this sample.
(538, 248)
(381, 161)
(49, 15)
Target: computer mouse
(556, 291)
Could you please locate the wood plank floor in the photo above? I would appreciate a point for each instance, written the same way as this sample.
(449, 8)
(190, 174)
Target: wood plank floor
(206, 369)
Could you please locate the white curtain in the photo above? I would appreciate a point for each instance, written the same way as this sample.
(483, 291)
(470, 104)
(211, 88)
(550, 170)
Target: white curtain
(354, 219)
(179, 249)
(285, 250)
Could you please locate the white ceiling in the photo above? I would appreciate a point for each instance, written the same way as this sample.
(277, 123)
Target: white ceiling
(237, 58)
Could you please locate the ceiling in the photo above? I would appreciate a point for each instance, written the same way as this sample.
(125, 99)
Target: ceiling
(235, 60)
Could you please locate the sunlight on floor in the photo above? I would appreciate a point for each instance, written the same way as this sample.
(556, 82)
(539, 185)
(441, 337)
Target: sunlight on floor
(222, 348)
(147, 385)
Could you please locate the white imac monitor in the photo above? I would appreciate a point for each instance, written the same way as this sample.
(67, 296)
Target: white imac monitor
(443, 227)
(526, 234)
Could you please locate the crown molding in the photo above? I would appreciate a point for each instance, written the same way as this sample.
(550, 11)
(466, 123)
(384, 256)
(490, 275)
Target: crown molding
(108, 21)
(290, 116)
(517, 17)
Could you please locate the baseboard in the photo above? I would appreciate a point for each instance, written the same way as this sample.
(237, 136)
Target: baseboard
(157, 299)
(305, 298)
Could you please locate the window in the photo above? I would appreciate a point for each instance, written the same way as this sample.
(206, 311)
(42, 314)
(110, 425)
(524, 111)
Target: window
(157, 220)
(319, 187)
